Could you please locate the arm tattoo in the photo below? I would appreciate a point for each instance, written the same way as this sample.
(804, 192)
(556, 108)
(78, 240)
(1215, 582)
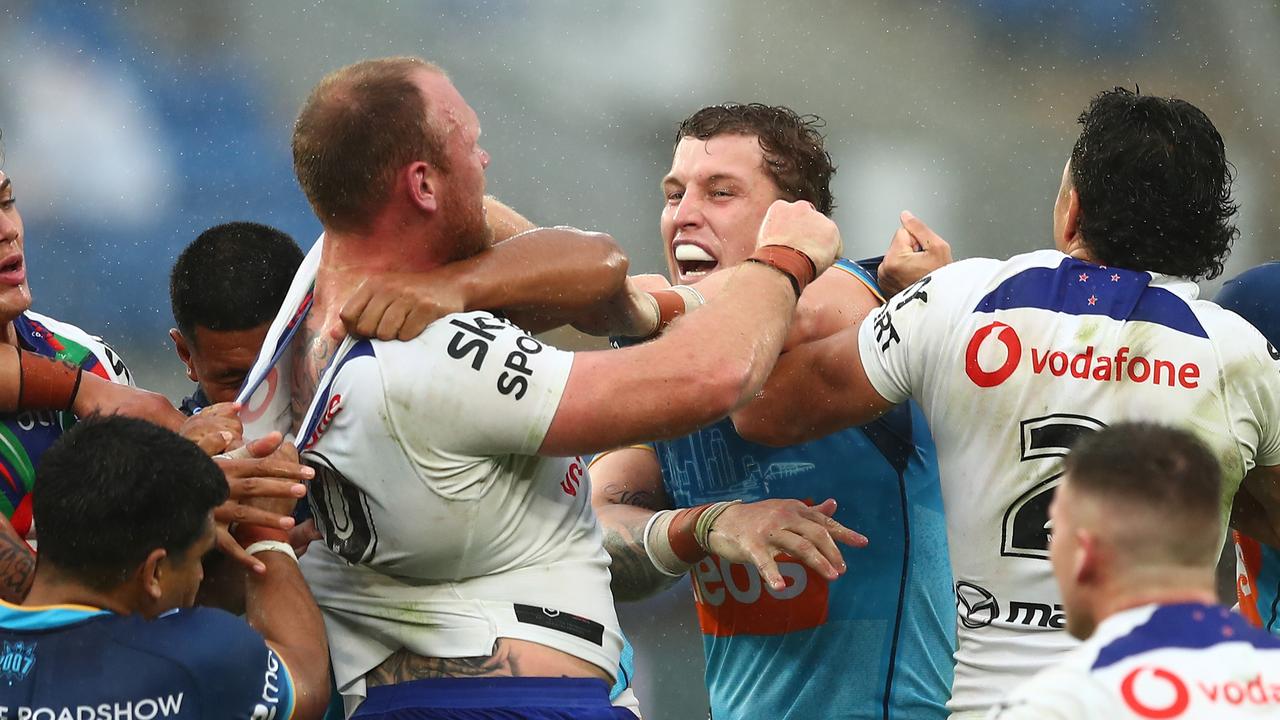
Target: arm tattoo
(17, 567)
(618, 494)
(633, 575)
(403, 666)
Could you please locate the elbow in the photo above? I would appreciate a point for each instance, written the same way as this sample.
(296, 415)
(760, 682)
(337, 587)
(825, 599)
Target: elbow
(755, 426)
(726, 386)
(611, 260)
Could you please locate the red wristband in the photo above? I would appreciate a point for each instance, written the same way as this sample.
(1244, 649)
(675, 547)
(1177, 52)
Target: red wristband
(670, 306)
(247, 535)
(46, 383)
(797, 266)
(681, 537)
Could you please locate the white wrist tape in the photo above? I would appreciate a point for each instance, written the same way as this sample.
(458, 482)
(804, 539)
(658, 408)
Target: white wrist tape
(693, 299)
(272, 545)
(658, 547)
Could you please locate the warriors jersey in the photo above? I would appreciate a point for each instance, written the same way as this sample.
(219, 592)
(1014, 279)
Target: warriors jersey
(1253, 296)
(1013, 360)
(82, 663)
(443, 531)
(1180, 662)
(25, 436)
(875, 643)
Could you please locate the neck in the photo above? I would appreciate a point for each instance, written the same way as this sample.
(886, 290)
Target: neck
(9, 334)
(1158, 586)
(56, 590)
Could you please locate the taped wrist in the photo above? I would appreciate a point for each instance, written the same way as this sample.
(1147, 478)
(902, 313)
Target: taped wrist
(676, 539)
(793, 263)
(675, 301)
(46, 383)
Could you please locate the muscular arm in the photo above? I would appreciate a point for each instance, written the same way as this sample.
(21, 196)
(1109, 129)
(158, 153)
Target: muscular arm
(626, 490)
(1256, 509)
(17, 564)
(279, 605)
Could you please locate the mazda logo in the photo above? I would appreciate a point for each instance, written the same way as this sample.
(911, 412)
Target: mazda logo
(976, 607)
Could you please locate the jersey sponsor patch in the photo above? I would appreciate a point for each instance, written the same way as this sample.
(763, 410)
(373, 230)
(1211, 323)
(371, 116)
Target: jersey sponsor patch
(733, 600)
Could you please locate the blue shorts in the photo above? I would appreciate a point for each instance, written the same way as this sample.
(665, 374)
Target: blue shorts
(492, 699)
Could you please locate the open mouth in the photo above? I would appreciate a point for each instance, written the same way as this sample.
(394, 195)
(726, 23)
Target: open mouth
(693, 261)
(13, 265)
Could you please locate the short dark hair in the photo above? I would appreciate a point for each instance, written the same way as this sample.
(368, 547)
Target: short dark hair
(112, 489)
(359, 126)
(1163, 470)
(1154, 185)
(233, 277)
(793, 146)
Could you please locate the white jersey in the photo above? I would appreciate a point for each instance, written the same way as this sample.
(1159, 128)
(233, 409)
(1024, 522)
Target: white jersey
(1013, 360)
(443, 531)
(1183, 662)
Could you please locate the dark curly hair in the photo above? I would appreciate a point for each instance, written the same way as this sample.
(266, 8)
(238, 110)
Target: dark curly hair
(1154, 185)
(793, 146)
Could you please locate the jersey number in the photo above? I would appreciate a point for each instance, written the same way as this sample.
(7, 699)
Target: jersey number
(1023, 533)
(341, 511)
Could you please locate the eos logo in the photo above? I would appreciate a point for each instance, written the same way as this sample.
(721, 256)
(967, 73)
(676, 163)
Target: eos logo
(976, 606)
(1157, 702)
(1006, 336)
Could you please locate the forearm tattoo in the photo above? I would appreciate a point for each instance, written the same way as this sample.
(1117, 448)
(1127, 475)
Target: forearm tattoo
(17, 568)
(633, 575)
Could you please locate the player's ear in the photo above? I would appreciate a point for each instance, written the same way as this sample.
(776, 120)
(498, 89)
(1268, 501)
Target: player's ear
(151, 574)
(1071, 228)
(1085, 564)
(184, 352)
(423, 186)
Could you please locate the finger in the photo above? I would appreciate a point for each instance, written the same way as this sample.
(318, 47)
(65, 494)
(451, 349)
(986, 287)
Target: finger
(265, 445)
(234, 512)
(392, 320)
(845, 535)
(222, 409)
(354, 307)
(802, 549)
(232, 549)
(247, 487)
(214, 442)
(416, 323)
(367, 323)
(901, 244)
(768, 568)
(921, 232)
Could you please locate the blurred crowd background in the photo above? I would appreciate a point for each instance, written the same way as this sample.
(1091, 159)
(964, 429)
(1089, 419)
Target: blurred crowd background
(131, 126)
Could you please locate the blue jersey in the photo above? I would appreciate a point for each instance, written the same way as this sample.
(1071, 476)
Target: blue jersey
(1253, 295)
(71, 661)
(875, 643)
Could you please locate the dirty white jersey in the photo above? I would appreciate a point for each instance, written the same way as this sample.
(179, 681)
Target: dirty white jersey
(1183, 662)
(443, 530)
(1013, 360)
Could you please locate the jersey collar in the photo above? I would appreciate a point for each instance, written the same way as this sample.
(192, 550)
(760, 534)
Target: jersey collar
(45, 617)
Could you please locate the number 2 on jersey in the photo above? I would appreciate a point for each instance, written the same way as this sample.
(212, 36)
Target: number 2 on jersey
(1023, 533)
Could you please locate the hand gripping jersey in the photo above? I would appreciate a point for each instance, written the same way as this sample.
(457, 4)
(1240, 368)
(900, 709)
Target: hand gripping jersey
(1253, 295)
(1013, 360)
(82, 663)
(25, 436)
(443, 531)
(1178, 662)
(877, 642)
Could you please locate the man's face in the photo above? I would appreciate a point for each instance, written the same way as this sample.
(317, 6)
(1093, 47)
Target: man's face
(717, 194)
(1064, 554)
(15, 293)
(462, 190)
(220, 359)
(183, 572)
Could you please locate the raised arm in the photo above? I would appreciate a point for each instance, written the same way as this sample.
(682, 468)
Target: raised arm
(626, 490)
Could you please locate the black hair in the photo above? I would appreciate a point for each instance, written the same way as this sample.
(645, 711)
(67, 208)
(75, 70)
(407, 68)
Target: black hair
(233, 277)
(793, 145)
(112, 489)
(1154, 185)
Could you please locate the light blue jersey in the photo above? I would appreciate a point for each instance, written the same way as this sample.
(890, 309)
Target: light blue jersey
(876, 643)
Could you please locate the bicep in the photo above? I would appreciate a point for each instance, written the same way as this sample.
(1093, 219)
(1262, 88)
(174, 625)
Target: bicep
(628, 476)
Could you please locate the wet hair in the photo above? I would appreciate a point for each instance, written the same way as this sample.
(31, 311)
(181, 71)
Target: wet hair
(794, 153)
(232, 277)
(357, 128)
(1154, 185)
(1161, 471)
(112, 489)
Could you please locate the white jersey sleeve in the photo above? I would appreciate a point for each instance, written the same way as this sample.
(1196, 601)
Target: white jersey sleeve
(1252, 366)
(495, 387)
(1059, 693)
(113, 366)
(900, 341)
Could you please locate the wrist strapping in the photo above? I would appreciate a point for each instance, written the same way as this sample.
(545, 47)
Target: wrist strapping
(797, 266)
(46, 383)
(247, 535)
(673, 302)
(274, 546)
(676, 539)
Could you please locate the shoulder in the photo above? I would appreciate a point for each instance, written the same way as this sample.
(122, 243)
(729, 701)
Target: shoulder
(203, 636)
(1061, 692)
(73, 344)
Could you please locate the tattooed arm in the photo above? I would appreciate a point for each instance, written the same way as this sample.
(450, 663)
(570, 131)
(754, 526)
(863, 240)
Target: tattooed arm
(626, 490)
(510, 658)
(17, 564)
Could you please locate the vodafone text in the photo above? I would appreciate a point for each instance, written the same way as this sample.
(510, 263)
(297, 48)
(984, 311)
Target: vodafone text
(1157, 692)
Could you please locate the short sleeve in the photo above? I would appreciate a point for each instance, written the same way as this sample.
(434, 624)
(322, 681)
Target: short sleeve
(897, 339)
(1252, 364)
(474, 384)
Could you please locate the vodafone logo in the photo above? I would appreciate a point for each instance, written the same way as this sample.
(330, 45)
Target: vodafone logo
(1004, 335)
(1161, 695)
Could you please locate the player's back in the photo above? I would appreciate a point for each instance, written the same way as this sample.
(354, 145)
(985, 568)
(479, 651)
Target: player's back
(1014, 360)
(80, 662)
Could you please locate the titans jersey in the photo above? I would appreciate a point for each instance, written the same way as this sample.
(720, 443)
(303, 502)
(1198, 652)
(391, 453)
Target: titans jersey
(1183, 662)
(875, 643)
(1012, 361)
(71, 661)
(1253, 296)
(25, 436)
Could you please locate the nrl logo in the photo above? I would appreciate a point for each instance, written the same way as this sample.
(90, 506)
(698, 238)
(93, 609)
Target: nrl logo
(16, 660)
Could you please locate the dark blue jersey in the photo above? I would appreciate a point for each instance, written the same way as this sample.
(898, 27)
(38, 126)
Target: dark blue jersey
(72, 661)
